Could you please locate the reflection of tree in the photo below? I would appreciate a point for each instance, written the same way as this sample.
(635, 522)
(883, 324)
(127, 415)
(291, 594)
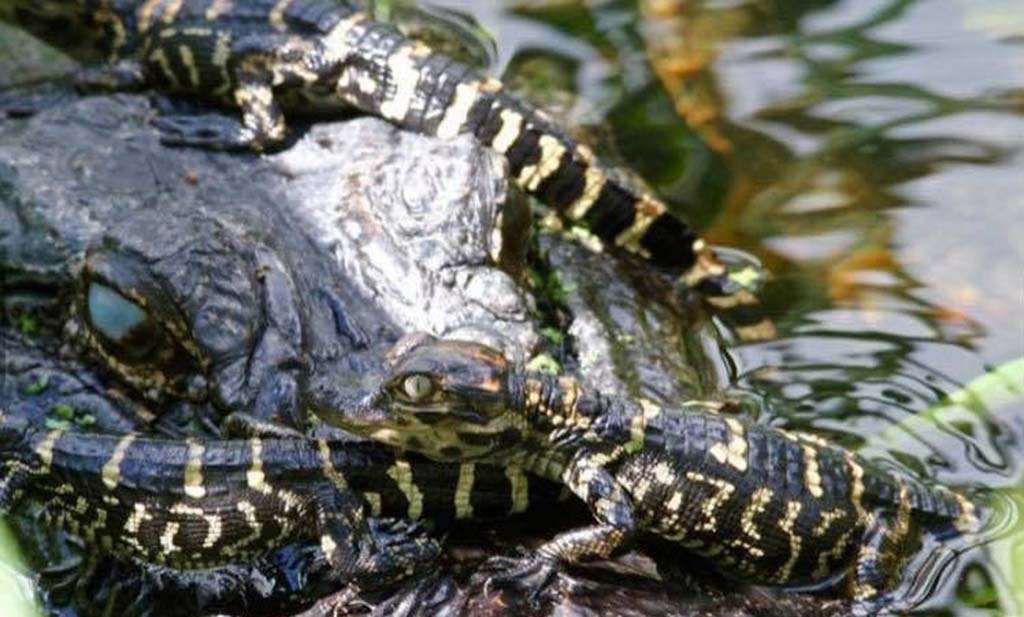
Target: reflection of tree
(838, 192)
(681, 41)
(822, 221)
(834, 198)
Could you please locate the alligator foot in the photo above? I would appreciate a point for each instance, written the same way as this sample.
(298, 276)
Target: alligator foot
(402, 549)
(210, 131)
(432, 594)
(530, 574)
(62, 579)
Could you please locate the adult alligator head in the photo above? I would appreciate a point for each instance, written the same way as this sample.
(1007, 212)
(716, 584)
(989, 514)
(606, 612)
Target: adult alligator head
(144, 283)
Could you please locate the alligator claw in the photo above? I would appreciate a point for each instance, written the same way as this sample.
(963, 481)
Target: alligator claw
(401, 549)
(427, 595)
(532, 575)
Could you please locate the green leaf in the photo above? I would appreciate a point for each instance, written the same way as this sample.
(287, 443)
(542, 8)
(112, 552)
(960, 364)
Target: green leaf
(553, 334)
(545, 364)
(63, 412)
(28, 325)
(37, 386)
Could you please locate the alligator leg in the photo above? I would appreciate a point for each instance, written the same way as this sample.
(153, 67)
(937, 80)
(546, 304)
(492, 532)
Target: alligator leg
(343, 322)
(401, 549)
(269, 63)
(368, 554)
(880, 559)
(587, 477)
(262, 122)
(209, 130)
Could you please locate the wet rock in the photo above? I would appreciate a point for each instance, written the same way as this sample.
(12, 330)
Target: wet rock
(633, 332)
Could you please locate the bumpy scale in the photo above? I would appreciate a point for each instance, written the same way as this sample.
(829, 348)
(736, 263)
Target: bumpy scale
(193, 504)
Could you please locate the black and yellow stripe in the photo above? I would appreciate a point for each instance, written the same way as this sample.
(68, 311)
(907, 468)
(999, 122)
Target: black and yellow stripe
(259, 55)
(430, 93)
(764, 504)
(188, 504)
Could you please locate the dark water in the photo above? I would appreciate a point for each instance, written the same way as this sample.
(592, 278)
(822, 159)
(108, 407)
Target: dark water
(871, 154)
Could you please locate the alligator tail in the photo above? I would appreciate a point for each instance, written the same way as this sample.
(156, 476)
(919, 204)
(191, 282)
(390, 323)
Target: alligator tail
(936, 504)
(405, 82)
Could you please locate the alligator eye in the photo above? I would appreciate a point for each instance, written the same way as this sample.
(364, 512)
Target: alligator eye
(418, 387)
(118, 319)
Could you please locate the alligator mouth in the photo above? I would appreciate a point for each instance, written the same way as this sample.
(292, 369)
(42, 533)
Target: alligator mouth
(358, 413)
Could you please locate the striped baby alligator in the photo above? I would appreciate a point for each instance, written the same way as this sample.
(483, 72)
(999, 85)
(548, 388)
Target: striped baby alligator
(264, 56)
(196, 505)
(766, 505)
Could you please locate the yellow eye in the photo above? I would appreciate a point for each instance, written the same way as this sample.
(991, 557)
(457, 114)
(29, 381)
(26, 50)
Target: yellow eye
(417, 387)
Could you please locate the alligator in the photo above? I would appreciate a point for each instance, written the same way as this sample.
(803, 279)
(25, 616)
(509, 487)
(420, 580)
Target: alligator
(764, 504)
(266, 56)
(191, 504)
(90, 200)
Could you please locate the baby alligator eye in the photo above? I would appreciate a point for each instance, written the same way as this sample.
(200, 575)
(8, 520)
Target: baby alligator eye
(121, 321)
(417, 387)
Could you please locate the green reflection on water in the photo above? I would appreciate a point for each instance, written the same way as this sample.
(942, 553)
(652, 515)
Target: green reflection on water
(990, 393)
(13, 600)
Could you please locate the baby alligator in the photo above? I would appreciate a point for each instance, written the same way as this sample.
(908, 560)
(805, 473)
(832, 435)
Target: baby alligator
(192, 505)
(765, 505)
(262, 56)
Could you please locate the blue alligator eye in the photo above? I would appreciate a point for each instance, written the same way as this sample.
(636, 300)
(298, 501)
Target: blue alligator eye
(112, 314)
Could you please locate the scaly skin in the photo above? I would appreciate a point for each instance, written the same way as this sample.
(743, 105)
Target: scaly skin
(194, 504)
(264, 56)
(765, 505)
